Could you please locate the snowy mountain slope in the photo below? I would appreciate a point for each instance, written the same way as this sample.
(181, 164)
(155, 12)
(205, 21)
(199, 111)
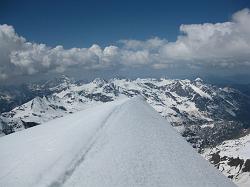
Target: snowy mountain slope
(12, 96)
(40, 110)
(121, 143)
(204, 114)
(232, 157)
(47, 150)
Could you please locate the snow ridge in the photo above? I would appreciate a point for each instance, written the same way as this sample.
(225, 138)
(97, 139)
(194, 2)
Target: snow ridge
(121, 143)
(76, 162)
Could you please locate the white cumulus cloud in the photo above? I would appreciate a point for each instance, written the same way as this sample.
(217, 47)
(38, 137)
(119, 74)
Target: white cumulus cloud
(224, 45)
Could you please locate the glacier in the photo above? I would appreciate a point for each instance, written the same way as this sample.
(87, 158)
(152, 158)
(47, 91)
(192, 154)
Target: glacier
(120, 143)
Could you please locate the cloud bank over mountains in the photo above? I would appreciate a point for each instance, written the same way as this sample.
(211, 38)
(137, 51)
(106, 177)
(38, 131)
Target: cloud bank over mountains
(219, 45)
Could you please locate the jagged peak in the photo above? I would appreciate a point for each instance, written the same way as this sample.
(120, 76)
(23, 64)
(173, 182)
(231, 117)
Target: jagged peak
(99, 81)
(119, 79)
(198, 79)
(63, 79)
(37, 99)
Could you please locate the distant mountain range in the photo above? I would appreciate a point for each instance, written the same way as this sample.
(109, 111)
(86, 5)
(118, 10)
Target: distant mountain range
(15, 95)
(206, 115)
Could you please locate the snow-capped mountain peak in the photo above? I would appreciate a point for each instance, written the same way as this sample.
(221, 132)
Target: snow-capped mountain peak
(198, 107)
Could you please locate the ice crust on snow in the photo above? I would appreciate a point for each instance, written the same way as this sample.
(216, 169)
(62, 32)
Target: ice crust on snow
(121, 143)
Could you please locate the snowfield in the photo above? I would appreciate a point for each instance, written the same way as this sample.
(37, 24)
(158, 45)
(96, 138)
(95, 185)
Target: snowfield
(121, 143)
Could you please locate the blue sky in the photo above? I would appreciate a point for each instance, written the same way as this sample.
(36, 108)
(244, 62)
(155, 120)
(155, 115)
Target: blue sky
(82, 23)
(88, 39)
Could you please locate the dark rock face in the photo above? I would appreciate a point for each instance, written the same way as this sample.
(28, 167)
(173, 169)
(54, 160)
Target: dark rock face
(180, 90)
(99, 97)
(246, 167)
(193, 138)
(111, 88)
(55, 107)
(29, 124)
(7, 129)
(215, 158)
(237, 164)
(220, 132)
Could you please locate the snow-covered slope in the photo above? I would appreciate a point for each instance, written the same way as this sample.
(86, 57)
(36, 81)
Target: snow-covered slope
(232, 157)
(122, 143)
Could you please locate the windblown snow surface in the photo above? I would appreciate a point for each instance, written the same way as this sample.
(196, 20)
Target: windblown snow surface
(121, 143)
